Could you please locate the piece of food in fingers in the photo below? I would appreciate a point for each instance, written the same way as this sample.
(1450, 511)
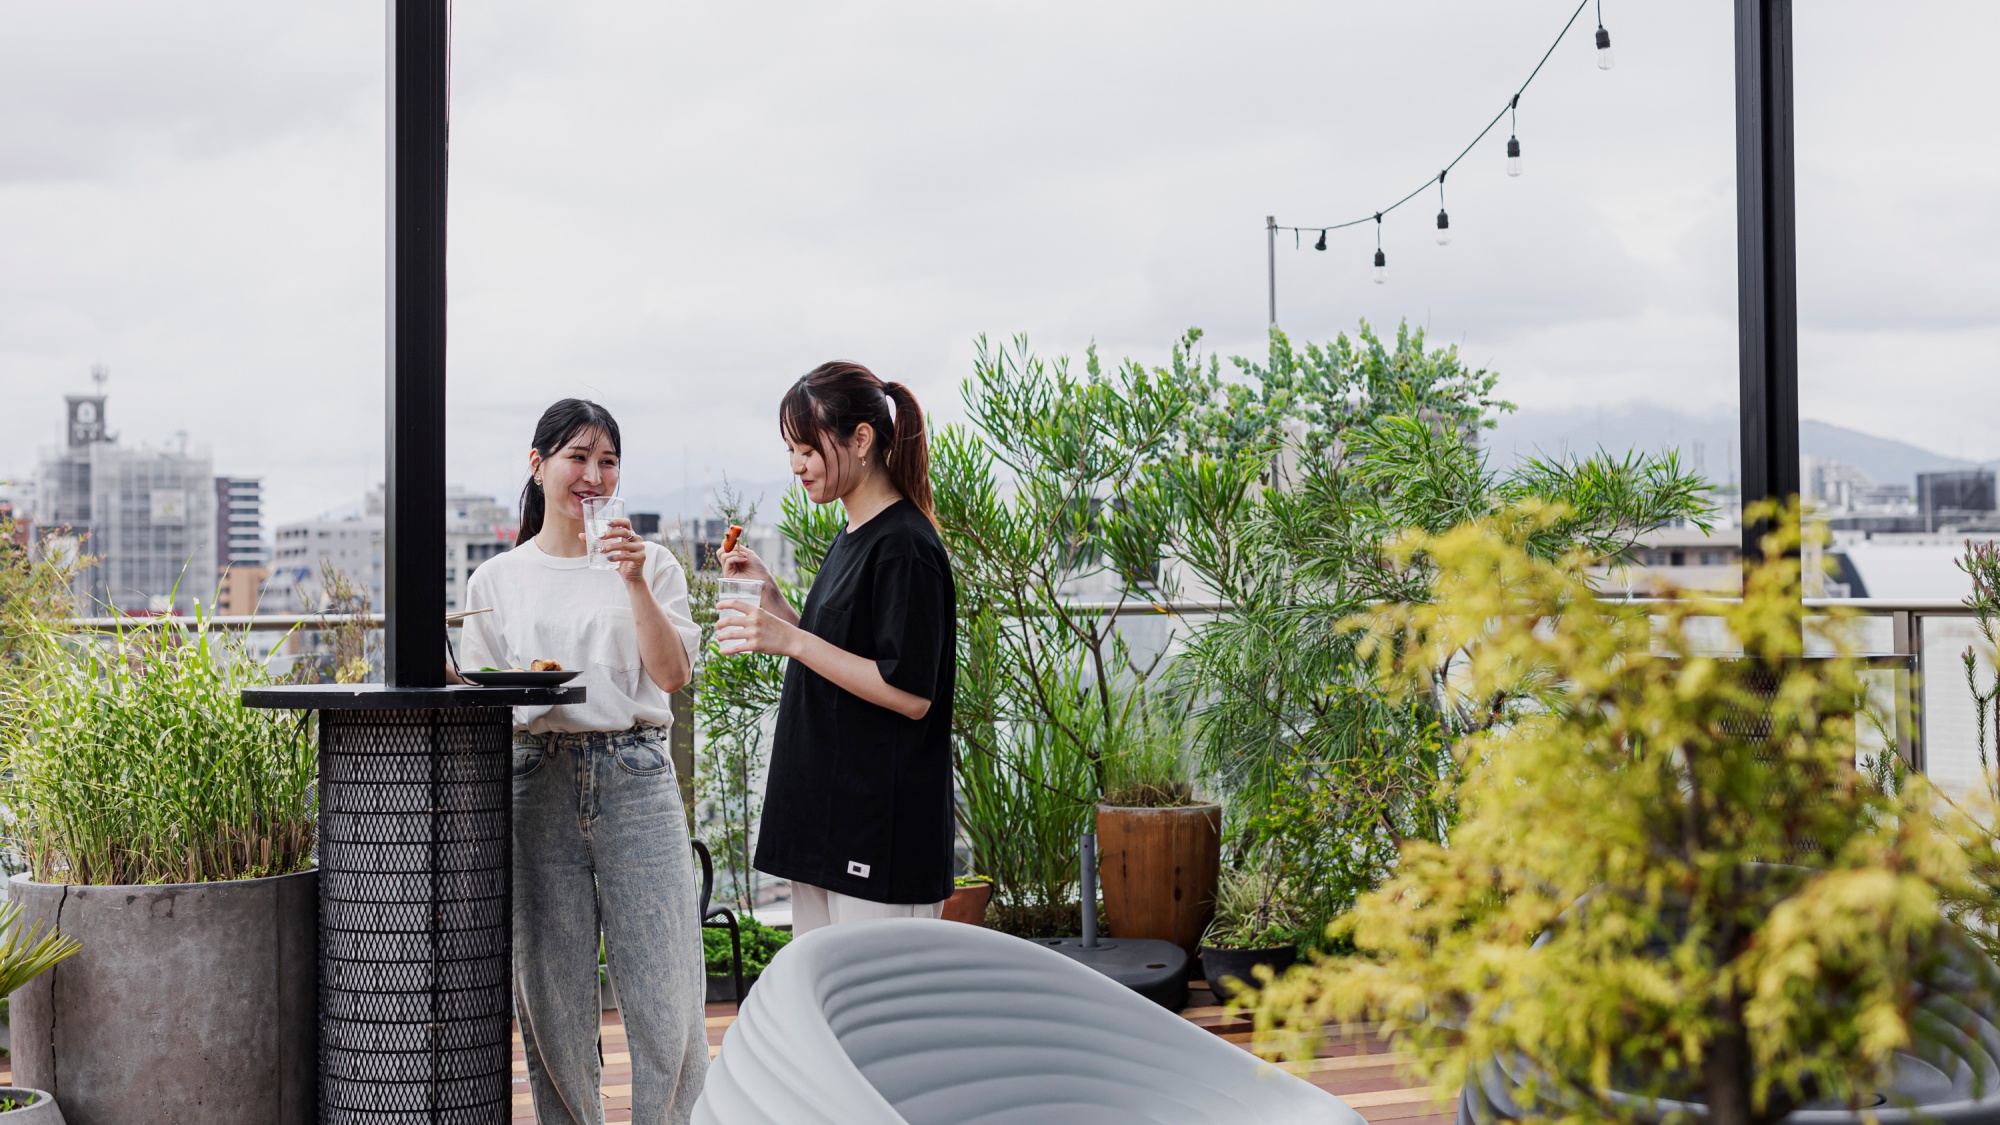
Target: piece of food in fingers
(729, 539)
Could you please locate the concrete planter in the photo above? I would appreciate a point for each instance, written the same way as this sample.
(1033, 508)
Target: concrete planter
(189, 1002)
(40, 1110)
(1158, 870)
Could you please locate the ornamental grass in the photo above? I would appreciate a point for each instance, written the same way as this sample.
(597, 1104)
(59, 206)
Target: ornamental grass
(131, 759)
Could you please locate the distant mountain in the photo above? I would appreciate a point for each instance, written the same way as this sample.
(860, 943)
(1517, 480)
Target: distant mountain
(1886, 460)
(1708, 442)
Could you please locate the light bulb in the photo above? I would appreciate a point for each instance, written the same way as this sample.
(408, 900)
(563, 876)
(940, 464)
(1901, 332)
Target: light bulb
(1381, 268)
(1603, 49)
(1513, 156)
(1444, 228)
(1321, 244)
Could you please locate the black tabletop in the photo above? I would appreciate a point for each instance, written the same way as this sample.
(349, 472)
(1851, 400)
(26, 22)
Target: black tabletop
(382, 697)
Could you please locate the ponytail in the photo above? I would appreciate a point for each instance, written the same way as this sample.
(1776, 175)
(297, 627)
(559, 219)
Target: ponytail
(559, 424)
(907, 449)
(834, 399)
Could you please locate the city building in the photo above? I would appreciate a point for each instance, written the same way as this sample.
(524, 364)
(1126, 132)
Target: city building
(1955, 501)
(1836, 487)
(1956, 498)
(302, 552)
(239, 523)
(477, 527)
(146, 514)
(701, 539)
(1908, 565)
(239, 590)
(1679, 558)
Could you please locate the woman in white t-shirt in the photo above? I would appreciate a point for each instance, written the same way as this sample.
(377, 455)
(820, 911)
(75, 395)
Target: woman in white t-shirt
(600, 836)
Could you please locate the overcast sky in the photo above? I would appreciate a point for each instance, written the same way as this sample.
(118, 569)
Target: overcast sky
(676, 209)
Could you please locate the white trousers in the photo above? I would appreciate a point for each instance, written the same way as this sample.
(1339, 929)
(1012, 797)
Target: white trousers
(813, 907)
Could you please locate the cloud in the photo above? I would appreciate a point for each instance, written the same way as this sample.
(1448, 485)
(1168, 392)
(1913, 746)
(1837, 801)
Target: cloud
(678, 209)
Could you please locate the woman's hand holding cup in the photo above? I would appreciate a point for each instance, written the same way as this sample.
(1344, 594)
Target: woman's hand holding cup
(741, 623)
(624, 548)
(742, 563)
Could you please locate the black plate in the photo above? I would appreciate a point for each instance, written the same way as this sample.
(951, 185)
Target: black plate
(520, 679)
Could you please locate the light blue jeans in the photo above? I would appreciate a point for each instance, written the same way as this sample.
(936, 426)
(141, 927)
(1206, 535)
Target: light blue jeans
(601, 845)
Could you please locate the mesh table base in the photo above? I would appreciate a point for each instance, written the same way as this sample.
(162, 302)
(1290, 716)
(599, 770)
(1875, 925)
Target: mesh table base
(415, 903)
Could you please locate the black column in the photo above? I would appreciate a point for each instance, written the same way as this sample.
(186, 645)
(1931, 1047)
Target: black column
(1767, 270)
(413, 534)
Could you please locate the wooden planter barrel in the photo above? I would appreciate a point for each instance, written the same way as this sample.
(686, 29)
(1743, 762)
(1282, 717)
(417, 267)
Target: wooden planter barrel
(1157, 868)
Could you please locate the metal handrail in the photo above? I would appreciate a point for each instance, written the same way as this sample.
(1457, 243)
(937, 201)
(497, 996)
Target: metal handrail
(255, 622)
(1929, 607)
(1132, 607)
(1906, 615)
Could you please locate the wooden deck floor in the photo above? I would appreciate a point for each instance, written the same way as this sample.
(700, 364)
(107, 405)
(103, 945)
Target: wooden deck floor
(1358, 1067)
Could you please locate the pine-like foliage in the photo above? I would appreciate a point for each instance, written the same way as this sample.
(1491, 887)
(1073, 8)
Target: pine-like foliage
(1726, 908)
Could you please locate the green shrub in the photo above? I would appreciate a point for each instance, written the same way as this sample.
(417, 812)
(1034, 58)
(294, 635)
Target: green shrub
(760, 944)
(1649, 776)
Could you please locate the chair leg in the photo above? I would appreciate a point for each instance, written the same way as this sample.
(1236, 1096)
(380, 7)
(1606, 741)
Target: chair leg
(735, 954)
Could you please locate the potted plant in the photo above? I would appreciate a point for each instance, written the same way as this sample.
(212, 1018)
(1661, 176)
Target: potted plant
(1159, 848)
(170, 830)
(1670, 893)
(969, 896)
(1054, 500)
(1255, 928)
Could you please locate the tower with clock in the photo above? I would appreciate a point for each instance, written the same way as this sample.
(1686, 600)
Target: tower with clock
(86, 419)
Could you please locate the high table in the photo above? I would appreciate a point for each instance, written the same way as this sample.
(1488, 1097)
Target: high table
(415, 886)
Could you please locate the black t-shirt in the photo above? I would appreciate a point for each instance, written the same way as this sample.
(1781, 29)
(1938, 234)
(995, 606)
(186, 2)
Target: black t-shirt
(858, 798)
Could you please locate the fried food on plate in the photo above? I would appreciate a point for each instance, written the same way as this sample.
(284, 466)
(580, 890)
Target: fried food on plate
(545, 666)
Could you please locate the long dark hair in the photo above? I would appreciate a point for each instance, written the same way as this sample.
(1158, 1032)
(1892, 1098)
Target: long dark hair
(835, 398)
(559, 424)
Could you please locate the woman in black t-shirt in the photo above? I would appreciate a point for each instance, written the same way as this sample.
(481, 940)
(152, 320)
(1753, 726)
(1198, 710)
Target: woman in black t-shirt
(857, 806)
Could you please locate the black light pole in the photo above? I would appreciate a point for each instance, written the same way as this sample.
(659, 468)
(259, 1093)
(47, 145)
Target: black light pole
(413, 540)
(415, 791)
(1766, 261)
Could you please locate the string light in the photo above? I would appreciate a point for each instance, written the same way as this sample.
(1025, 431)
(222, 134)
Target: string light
(1444, 220)
(1508, 111)
(1513, 142)
(1381, 260)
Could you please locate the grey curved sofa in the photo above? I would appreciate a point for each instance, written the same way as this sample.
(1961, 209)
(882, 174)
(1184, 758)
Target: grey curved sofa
(909, 1022)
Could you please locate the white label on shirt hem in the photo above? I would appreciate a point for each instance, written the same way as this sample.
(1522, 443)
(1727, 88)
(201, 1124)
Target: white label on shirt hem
(859, 869)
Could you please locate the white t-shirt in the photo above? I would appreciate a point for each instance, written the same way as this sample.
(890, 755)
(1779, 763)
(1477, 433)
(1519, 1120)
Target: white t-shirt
(549, 608)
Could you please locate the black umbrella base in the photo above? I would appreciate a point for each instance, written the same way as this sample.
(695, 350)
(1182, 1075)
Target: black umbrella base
(1156, 970)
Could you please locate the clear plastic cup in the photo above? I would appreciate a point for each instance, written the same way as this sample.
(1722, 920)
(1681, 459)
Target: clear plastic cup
(736, 589)
(598, 512)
